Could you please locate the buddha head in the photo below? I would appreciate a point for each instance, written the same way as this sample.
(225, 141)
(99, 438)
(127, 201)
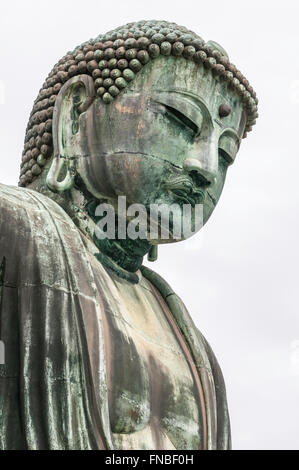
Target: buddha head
(148, 111)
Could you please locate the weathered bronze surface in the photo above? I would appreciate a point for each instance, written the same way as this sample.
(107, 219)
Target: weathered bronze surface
(100, 352)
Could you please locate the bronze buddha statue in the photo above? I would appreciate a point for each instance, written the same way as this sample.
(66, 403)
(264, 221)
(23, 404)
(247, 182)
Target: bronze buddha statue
(100, 353)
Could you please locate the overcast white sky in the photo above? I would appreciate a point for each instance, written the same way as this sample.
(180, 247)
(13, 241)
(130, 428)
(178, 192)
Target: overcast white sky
(239, 276)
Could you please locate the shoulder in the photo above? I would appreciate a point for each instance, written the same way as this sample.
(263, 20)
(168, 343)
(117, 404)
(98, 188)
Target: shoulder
(14, 208)
(26, 206)
(28, 219)
(16, 197)
(39, 241)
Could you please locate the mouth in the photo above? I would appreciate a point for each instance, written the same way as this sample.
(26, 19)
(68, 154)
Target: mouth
(185, 190)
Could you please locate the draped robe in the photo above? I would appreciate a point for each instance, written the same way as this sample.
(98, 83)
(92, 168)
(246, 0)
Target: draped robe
(53, 385)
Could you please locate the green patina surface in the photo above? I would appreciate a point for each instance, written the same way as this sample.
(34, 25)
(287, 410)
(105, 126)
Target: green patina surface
(101, 353)
(113, 60)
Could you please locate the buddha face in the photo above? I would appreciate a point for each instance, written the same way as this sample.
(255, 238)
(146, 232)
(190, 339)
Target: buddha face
(168, 138)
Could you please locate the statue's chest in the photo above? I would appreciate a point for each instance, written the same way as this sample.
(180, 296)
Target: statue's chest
(153, 400)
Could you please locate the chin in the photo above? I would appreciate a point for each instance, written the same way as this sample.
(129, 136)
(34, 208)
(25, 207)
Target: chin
(171, 232)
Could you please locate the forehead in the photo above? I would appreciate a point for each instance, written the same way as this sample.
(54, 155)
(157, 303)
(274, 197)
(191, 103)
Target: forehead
(195, 86)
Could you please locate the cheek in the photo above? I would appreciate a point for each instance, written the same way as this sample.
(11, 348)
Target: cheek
(136, 176)
(146, 132)
(122, 147)
(217, 187)
(139, 177)
(214, 191)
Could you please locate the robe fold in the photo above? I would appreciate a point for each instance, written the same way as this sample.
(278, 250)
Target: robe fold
(53, 385)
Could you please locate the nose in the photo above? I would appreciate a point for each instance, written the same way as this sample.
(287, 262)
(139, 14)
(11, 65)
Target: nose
(192, 165)
(203, 159)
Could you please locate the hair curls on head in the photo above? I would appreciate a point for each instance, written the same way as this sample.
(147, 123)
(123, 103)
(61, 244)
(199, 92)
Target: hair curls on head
(113, 60)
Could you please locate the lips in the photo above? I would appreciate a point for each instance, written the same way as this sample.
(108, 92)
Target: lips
(185, 190)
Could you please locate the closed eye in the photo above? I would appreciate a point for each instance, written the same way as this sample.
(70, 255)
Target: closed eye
(177, 115)
(229, 145)
(228, 159)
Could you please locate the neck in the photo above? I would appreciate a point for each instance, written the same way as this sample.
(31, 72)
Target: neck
(123, 256)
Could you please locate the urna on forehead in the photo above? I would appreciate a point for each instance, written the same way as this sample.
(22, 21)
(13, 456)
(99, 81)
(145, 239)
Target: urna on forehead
(113, 61)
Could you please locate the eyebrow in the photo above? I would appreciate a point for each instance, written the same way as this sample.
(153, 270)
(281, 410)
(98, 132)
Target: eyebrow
(191, 97)
(170, 97)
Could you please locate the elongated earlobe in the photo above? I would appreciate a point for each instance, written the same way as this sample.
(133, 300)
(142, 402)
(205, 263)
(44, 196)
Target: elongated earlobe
(74, 98)
(56, 168)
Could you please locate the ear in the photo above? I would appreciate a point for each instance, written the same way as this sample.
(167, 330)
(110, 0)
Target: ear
(74, 98)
